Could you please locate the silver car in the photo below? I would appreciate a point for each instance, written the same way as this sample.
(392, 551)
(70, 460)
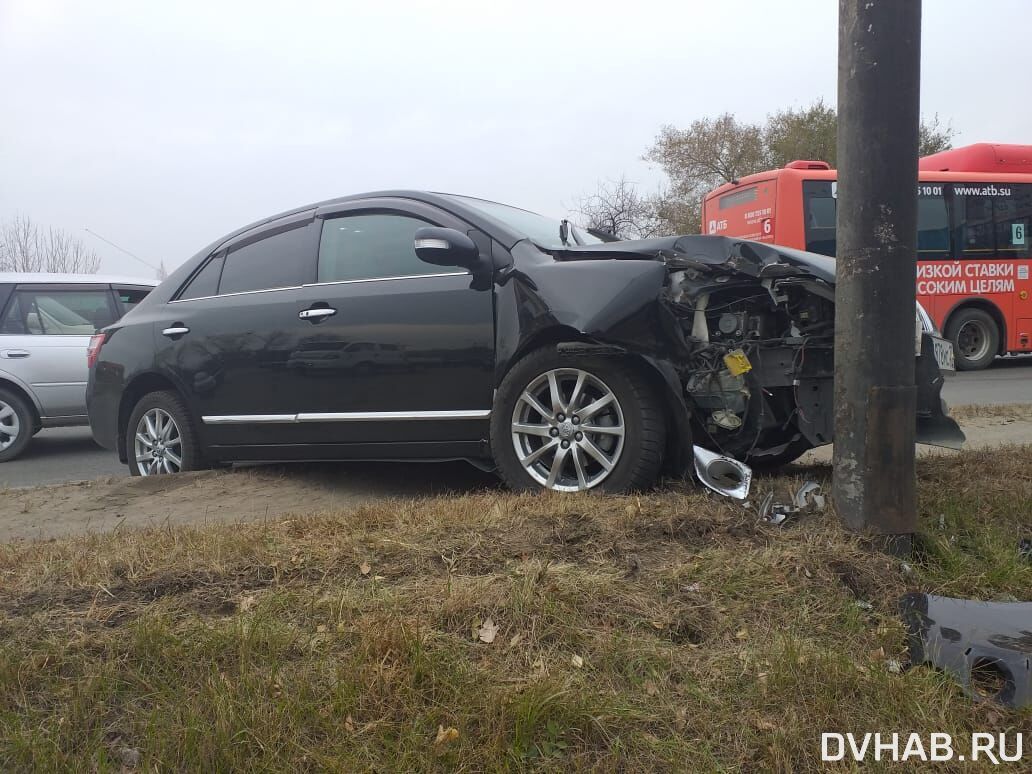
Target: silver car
(46, 321)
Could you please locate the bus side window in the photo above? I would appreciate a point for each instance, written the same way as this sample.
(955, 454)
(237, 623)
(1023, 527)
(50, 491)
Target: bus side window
(1013, 216)
(933, 229)
(973, 224)
(819, 213)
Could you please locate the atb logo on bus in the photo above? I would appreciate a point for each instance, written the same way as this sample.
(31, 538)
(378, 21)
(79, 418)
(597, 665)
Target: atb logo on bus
(716, 226)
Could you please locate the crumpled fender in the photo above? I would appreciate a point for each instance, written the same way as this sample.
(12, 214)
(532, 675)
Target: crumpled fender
(613, 307)
(609, 302)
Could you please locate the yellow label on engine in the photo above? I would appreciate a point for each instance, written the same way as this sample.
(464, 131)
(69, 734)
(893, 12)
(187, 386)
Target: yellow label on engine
(737, 363)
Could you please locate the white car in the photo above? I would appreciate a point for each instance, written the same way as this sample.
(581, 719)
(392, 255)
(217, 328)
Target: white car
(46, 321)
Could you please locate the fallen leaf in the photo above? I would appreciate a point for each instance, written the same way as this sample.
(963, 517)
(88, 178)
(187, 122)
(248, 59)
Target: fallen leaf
(893, 666)
(516, 639)
(651, 688)
(742, 634)
(681, 717)
(577, 661)
(320, 628)
(364, 568)
(349, 725)
(488, 631)
(246, 603)
(445, 735)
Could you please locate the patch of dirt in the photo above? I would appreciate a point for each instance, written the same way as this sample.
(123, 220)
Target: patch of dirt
(241, 494)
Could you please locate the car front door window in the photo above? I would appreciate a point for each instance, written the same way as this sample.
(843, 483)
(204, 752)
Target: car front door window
(370, 246)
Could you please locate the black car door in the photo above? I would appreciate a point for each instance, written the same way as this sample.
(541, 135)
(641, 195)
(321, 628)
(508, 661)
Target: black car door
(227, 336)
(397, 356)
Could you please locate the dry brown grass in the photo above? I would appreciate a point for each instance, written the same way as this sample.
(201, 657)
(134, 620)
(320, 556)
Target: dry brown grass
(702, 639)
(991, 411)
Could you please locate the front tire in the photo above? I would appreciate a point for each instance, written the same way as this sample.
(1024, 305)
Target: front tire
(975, 337)
(160, 437)
(572, 423)
(16, 425)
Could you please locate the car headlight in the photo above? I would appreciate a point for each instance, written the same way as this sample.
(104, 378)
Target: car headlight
(924, 321)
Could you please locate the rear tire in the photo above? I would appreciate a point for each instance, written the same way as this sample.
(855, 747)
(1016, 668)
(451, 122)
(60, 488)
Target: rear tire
(16, 425)
(160, 437)
(975, 337)
(607, 434)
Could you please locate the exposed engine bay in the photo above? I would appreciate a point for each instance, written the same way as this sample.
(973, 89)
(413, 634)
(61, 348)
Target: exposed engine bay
(761, 355)
(753, 345)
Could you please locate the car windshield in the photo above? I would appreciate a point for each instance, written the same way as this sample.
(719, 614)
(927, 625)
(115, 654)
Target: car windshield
(542, 231)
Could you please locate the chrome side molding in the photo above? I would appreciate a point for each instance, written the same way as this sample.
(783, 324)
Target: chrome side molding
(344, 416)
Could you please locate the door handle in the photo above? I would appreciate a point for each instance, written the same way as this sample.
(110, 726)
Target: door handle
(14, 354)
(316, 314)
(176, 329)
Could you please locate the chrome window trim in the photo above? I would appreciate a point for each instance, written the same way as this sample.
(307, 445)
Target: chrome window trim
(237, 293)
(389, 279)
(321, 284)
(345, 416)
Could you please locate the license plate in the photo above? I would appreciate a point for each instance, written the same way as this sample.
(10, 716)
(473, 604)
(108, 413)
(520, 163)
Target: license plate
(943, 354)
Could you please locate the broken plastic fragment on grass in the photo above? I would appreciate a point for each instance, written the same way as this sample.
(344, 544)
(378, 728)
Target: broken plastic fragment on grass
(724, 475)
(985, 646)
(807, 499)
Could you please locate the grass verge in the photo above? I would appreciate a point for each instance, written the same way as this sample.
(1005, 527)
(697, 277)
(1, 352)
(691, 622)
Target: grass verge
(992, 411)
(661, 632)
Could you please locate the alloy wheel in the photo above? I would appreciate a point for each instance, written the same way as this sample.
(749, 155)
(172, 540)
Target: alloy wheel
(10, 426)
(568, 430)
(158, 444)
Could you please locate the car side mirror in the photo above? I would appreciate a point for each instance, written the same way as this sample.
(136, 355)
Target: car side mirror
(446, 247)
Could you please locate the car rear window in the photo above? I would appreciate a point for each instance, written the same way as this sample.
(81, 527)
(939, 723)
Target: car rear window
(58, 312)
(279, 261)
(205, 283)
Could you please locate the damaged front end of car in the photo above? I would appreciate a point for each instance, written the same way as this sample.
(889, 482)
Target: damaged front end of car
(746, 337)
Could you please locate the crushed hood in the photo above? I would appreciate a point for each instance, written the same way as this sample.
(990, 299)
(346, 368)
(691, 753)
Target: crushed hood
(715, 252)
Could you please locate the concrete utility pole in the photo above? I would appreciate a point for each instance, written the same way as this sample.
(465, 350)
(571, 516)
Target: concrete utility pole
(875, 397)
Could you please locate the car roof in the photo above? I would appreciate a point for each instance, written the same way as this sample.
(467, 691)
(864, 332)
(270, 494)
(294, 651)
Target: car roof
(457, 204)
(71, 279)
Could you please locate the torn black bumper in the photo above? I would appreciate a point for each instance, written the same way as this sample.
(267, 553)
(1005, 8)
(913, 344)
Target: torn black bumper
(985, 646)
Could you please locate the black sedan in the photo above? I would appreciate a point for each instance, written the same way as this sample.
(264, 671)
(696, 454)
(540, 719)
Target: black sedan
(412, 325)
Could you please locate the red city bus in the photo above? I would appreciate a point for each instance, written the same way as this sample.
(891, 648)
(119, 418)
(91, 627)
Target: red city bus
(974, 250)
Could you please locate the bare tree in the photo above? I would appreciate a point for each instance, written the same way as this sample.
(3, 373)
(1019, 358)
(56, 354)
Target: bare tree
(25, 246)
(619, 209)
(935, 136)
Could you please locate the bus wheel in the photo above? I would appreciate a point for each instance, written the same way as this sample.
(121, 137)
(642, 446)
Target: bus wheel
(975, 337)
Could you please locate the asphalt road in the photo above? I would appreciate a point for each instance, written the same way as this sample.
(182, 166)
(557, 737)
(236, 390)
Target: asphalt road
(1009, 380)
(69, 454)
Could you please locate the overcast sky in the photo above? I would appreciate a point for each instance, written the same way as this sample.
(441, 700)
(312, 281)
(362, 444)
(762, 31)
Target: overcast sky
(163, 126)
